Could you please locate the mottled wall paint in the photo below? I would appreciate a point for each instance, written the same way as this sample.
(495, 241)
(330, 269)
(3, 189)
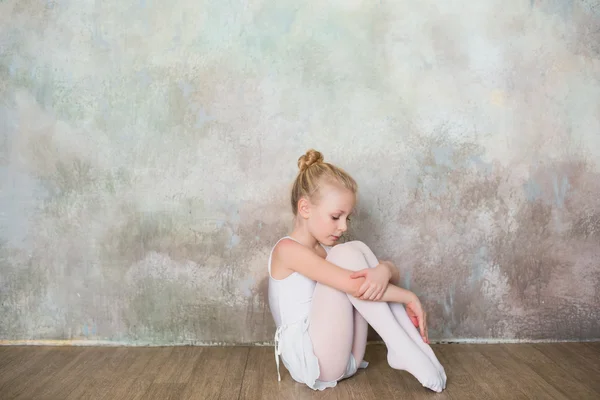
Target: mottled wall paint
(147, 150)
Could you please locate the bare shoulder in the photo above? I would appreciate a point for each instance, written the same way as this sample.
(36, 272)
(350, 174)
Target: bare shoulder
(289, 249)
(284, 251)
(285, 245)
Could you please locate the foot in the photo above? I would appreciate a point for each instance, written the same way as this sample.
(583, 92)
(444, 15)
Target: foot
(408, 325)
(429, 352)
(420, 366)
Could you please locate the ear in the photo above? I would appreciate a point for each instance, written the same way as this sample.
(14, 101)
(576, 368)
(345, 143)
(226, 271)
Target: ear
(304, 207)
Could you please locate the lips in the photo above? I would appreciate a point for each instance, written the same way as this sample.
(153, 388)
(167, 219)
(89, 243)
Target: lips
(335, 237)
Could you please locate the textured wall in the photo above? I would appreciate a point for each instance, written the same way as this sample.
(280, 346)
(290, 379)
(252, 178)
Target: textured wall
(147, 149)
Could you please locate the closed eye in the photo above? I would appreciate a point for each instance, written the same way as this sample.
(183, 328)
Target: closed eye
(336, 218)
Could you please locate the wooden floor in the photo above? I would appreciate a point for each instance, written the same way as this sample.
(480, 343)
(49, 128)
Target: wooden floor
(515, 371)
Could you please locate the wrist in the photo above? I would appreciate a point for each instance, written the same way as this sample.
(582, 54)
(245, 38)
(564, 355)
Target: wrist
(411, 297)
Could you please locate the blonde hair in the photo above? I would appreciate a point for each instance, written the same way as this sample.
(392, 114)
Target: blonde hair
(313, 173)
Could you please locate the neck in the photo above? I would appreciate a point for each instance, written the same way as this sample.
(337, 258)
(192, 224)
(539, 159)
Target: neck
(302, 235)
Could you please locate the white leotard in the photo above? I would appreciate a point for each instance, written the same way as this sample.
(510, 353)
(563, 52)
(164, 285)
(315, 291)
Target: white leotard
(290, 298)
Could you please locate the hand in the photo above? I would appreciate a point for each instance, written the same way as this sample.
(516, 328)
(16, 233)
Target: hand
(376, 281)
(416, 314)
(413, 317)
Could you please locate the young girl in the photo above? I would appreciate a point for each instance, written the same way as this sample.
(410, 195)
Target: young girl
(323, 297)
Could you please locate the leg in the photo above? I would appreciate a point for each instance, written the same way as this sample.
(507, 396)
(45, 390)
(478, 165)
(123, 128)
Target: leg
(403, 353)
(331, 330)
(361, 331)
(401, 316)
(335, 329)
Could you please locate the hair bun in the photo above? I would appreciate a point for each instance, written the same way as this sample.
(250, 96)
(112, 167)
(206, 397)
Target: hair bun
(311, 157)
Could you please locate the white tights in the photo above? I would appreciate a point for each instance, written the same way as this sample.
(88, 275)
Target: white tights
(338, 326)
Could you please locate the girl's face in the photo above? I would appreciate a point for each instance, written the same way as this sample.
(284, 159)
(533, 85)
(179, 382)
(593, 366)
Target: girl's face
(330, 216)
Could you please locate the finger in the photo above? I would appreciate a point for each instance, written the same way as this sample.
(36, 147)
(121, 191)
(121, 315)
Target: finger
(421, 327)
(374, 295)
(373, 292)
(368, 293)
(363, 288)
(365, 295)
(415, 320)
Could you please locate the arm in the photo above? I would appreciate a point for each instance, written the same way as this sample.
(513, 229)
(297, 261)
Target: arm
(396, 294)
(300, 259)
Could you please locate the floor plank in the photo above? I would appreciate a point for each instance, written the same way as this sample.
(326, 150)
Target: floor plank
(256, 383)
(164, 391)
(486, 371)
(357, 387)
(218, 373)
(21, 363)
(60, 359)
(128, 385)
(465, 383)
(27, 372)
(558, 376)
(88, 378)
(526, 378)
(577, 366)
(583, 355)
(493, 382)
(178, 367)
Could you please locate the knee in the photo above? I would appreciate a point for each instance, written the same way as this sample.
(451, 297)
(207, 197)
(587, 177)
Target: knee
(357, 244)
(343, 250)
(352, 248)
(366, 251)
(347, 256)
